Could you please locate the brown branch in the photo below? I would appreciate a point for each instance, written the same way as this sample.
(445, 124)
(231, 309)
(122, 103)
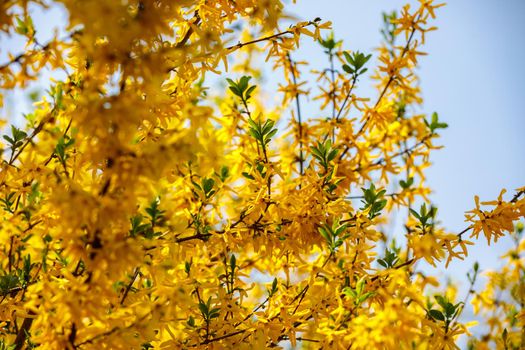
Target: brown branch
(391, 78)
(517, 196)
(299, 119)
(24, 330)
(229, 335)
(30, 138)
(130, 284)
(270, 37)
(406, 263)
(189, 32)
(354, 81)
(255, 41)
(23, 55)
(513, 200)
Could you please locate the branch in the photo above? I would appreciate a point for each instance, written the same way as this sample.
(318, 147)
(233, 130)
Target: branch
(21, 56)
(130, 284)
(392, 77)
(299, 119)
(270, 37)
(406, 263)
(255, 41)
(22, 333)
(513, 200)
(189, 32)
(30, 138)
(354, 80)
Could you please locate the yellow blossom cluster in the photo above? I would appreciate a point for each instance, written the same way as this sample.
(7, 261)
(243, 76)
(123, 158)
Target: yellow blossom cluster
(142, 210)
(502, 299)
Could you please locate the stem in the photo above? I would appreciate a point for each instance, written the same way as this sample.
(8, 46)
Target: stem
(130, 284)
(354, 80)
(299, 119)
(332, 91)
(390, 80)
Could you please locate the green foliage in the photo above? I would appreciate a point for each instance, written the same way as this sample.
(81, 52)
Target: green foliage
(330, 44)
(155, 213)
(355, 63)
(273, 288)
(16, 139)
(207, 311)
(241, 88)
(389, 27)
(8, 201)
(263, 133)
(147, 229)
(24, 26)
(324, 153)
(434, 123)
(425, 217)
(390, 260)
(406, 184)
(60, 150)
(224, 173)
(357, 294)
(447, 311)
(373, 200)
(333, 234)
(8, 282)
(206, 187)
(5, 346)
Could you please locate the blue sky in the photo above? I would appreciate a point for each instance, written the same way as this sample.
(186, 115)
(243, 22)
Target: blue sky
(473, 77)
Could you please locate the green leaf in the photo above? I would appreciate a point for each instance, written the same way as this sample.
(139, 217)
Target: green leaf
(191, 321)
(360, 285)
(504, 336)
(406, 184)
(249, 92)
(356, 62)
(441, 301)
(203, 309)
(8, 282)
(415, 213)
(347, 69)
(436, 315)
(241, 88)
(207, 186)
(434, 123)
(382, 263)
(273, 290)
(224, 173)
(8, 139)
(21, 27)
(233, 262)
(324, 232)
(349, 292)
(247, 175)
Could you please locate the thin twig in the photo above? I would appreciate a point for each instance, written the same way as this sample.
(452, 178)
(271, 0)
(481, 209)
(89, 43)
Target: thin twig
(391, 78)
(299, 119)
(130, 284)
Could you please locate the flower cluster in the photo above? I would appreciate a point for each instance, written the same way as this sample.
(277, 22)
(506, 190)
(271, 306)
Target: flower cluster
(141, 209)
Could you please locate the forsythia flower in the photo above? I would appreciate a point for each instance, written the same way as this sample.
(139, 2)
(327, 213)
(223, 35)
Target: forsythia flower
(142, 209)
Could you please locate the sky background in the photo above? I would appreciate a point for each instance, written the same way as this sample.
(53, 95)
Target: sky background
(473, 77)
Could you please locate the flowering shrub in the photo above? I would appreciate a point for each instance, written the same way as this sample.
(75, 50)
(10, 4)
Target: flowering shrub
(141, 209)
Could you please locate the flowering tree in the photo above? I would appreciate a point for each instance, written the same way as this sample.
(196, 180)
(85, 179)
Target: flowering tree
(142, 210)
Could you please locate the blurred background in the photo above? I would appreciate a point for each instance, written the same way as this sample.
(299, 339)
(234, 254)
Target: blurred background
(473, 77)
